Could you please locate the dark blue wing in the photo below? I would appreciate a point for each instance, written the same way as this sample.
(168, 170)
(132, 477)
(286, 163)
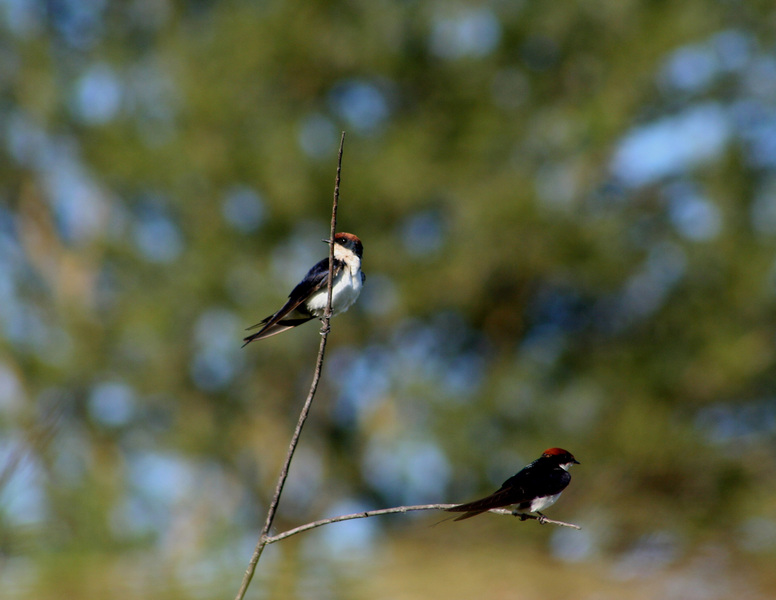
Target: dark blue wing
(314, 280)
(294, 312)
(522, 487)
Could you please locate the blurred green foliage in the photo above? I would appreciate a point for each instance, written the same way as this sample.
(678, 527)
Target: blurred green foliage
(569, 218)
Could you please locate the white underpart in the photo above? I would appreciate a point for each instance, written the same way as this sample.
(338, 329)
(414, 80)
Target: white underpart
(539, 504)
(346, 288)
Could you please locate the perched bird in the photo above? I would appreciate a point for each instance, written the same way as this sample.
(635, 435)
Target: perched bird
(308, 299)
(533, 489)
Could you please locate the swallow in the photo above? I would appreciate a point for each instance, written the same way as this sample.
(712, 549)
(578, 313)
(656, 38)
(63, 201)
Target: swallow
(308, 299)
(533, 489)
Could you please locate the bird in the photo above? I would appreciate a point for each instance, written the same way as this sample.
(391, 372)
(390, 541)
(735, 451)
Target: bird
(308, 299)
(533, 489)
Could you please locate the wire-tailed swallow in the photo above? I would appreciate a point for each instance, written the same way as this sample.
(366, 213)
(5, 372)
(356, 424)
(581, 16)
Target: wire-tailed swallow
(533, 489)
(308, 299)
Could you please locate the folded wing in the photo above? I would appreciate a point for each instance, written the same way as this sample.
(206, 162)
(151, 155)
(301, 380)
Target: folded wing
(294, 311)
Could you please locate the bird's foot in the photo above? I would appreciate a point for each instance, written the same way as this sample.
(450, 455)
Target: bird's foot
(325, 324)
(542, 519)
(522, 515)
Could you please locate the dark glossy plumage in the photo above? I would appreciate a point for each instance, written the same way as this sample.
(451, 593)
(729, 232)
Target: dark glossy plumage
(544, 477)
(305, 300)
(294, 312)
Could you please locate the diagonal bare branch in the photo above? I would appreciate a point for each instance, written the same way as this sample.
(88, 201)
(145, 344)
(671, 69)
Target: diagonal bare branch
(325, 328)
(404, 509)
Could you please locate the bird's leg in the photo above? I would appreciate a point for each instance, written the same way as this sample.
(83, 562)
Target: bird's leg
(541, 518)
(516, 513)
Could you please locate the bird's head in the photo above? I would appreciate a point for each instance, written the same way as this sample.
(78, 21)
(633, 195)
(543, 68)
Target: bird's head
(350, 242)
(563, 458)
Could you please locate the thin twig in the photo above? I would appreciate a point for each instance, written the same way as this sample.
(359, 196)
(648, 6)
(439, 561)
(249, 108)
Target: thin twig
(264, 537)
(526, 516)
(403, 509)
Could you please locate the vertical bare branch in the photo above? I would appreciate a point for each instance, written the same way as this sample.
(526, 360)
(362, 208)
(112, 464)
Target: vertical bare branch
(333, 231)
(264, 538)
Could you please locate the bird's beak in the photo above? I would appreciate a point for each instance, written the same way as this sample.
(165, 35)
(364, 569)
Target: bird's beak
(575, 461)
(326, 241)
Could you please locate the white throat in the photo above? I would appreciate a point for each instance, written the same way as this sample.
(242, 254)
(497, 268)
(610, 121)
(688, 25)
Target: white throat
(347, 256)
(345, 288)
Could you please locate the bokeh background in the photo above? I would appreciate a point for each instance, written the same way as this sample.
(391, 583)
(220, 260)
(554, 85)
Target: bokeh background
(569, 218)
